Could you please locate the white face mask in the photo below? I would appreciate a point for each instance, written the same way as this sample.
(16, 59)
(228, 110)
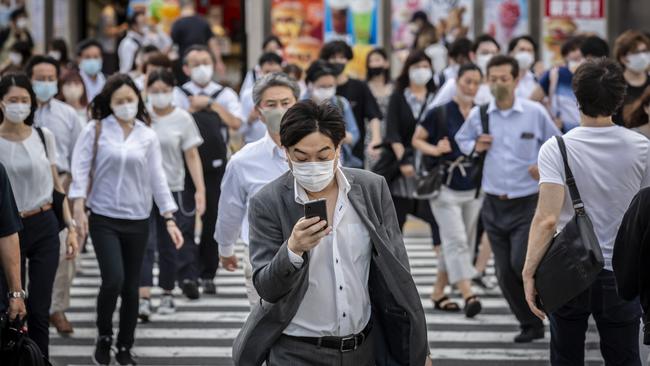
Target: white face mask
(525, 59)
(161, 100)
(72, 92)
(323, 94)
(22, 23)
(126, 111)
(17, 112)
(638, 62)
(202, 74)
(482, 62)
(313, 176)
(420, 75)
(15, 58)
(573, 65)
(55, 55)
(438, 55)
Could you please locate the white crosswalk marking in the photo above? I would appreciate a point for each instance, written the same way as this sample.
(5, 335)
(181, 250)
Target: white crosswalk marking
(201, 332)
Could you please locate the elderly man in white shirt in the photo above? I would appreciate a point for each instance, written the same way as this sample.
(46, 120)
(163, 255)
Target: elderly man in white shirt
(251, 168)
(64, 123)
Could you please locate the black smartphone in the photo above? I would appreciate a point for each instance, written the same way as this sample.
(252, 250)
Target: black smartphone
(316, 208)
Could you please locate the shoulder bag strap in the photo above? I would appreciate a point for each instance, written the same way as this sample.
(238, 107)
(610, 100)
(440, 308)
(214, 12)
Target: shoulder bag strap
(424, 107)
(93, 161)
(42, 137)
(485, 119)
(570, 180)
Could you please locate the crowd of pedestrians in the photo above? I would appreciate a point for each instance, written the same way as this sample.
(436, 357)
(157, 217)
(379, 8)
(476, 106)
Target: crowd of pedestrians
(160, 163)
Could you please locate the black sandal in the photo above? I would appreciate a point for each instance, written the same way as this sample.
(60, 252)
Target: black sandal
(472, 306)
(444, 304)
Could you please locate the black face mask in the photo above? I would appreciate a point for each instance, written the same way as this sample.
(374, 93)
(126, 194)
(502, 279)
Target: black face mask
(375, 71)
(337, 68)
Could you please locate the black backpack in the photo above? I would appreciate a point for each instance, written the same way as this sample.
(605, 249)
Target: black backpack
(16, 348)
(215, 136)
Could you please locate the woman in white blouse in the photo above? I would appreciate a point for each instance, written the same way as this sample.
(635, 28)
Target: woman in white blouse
(116, 169)
(30, 164)
(179, 138)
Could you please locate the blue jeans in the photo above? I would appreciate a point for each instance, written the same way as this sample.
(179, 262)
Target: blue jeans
(617, 321)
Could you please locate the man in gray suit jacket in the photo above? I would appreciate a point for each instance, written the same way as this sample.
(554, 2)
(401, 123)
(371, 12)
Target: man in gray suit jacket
(335, 289)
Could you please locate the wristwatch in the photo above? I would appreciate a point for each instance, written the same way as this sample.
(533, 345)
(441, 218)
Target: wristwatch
(17, 294)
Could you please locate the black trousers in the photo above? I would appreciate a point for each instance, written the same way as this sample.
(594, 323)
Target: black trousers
(417, 208)
(208, 248)
(39, 249)
(119, 247)
(617, 321)
(507, 223)
(174, 264)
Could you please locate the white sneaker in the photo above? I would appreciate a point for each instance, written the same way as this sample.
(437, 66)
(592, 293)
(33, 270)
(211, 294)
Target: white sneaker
(144, 311)
(167, 305)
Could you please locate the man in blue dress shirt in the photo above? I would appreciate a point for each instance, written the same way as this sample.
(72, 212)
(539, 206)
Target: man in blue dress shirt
(517, 130)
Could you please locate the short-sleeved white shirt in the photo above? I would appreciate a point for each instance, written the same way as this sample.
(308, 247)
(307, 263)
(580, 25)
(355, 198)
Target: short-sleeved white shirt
(177, 133)
(30, 169)
(610, 165)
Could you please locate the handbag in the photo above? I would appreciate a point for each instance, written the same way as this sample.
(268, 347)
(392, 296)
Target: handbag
(387, 164)
(428, 182)
(574, 258)
(16, 348)
(58, 198)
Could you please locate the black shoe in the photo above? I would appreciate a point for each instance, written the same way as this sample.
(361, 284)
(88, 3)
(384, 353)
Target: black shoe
(209, 287)
(472, 306)
(528, 335)
(124, 356)
(191, 289)
(102, 354)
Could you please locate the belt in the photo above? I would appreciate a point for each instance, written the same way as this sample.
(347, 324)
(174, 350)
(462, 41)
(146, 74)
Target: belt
(343, 344)
(505, 197)
(30, 213)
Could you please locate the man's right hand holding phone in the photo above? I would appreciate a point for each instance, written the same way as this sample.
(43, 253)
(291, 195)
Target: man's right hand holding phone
(307, 233)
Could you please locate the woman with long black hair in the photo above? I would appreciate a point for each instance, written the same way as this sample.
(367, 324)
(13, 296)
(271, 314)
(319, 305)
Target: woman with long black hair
(117, 169)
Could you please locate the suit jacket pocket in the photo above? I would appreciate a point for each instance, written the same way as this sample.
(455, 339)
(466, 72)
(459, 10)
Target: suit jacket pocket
(398, 334)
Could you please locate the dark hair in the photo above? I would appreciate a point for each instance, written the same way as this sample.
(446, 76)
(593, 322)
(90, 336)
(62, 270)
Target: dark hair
(460, 47)
(148, 49)
(381, 52)
(484, 38)
(158, 59)
(627, 42)
(270, 39)
(403, 79)
(599, 87)
(199, 48)
(333, 48)
(290, 69)
(419, 15)
(69, 76)
(165, 76)
(594, 46)
(637, 115)
(499, 60)
(270, 58)
(468, 67)
(40, 59)
(515, 41)
(59, 44)
(17, 13)
(100, 107)
(318, 69)
(133, 18)
(24, 48)
(19, 80)
(307, 117)
(87, 43)
(571, 45)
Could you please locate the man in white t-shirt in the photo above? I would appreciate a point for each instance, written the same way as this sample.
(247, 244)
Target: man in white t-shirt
(610, 164)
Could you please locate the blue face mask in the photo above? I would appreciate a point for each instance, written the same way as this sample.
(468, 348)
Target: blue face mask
(45, 90)
(91, 66)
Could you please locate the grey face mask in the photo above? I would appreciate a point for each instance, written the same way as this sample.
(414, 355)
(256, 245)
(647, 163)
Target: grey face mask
(273, 118)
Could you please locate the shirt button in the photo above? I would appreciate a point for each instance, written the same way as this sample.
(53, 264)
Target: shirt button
(344, 315)
(337, 260)
(341, 288)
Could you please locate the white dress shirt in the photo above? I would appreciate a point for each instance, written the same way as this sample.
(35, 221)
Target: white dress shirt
(248, 170)
(337, 301)
(128, 49)
(30, 169)
(93, 87)
(128, 171)
(526, 85)
(227, 98)
(64, 123)
(255, 130)
(448, 91)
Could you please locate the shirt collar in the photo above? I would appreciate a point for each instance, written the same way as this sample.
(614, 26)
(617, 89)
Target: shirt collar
(516, 106)
(269, 144)
(112, 119)
(301, 197)
(135, 35)
(210, 88)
